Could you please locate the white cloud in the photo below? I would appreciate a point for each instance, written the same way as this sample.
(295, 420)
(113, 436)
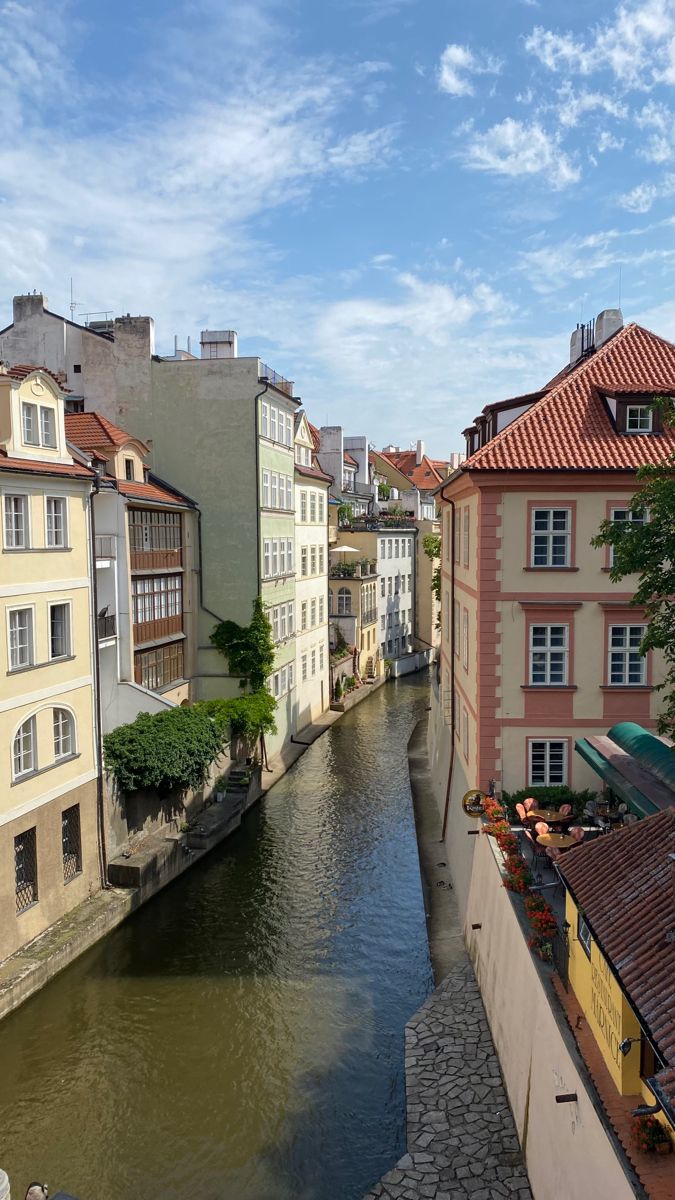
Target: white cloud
(641, 198)
(636, 45)
(514, 148)
(573, 106)
(607, 141)
(548, 266)
(458, 64)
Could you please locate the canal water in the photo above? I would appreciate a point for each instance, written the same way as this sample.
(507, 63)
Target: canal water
(241, 1037)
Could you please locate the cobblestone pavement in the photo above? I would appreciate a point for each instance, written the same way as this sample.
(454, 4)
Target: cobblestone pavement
(462, 1141)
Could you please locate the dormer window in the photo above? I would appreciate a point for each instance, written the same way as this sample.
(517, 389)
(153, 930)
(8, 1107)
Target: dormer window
(129, 469)
(38, 426)
(639, 418)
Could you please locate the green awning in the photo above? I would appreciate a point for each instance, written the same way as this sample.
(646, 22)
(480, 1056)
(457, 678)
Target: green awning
(636, 801)
(635, 764)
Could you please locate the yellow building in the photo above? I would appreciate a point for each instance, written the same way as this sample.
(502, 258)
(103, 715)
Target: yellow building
(620, 926)
(49, 835)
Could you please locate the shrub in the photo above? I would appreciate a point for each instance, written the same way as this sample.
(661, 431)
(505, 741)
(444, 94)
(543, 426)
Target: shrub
(555, 796)
(337, 690)
(648, 1133)
(249, 649)
(242, 716)
(167, 750)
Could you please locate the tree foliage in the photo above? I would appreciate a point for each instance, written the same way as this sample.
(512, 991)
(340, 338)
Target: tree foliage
(167, 750)
(431, 544)
(243, 716)
(648, 551)
(249, 649)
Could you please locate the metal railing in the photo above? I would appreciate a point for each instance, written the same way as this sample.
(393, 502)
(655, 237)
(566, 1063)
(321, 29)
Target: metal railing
(274, 379)
(105, 545)
(106, 626)
(369, 617)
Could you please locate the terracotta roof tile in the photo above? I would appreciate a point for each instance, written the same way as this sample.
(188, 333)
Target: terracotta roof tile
(624, 884)
(153, 491)
(348, 458)
(425, 477)
(93, 431)
(313, 473)
(316, 436)
(570, 428)
(38, 467)
(23, 370)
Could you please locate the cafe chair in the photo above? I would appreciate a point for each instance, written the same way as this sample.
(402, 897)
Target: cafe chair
(529, 804)
(522, 813)
(539, 856)
(577, 833)
(541, 827)
(553, 853)
(565, 810)
(630, 818)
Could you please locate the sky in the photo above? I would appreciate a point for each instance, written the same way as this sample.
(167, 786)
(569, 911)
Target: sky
(405, 206)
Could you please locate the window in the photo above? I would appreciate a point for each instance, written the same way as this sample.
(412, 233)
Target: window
(551, 530)
(321, 656)
(467, 532)
(25, 869)
(29, 424)
(458, 527)
(465, 640)
(129, 469)
(273, 423)
(312, 560)
(56, 521)
(266, 489)
(322, 507)
(395, 547)
(313, 663)
(289, 492)
(290, 611)
(622, 516)
(266, 557)
(71, 844)
(410, 548)
(383, 586)
(397, 585)
(264, 421)
(547, 763)
(446, 533)
(20, 638)
(626, 664)
(156, 598)
(465, 733)
(410, 583)
(282, 556)
(312, 507)
(312, 619)
(16, 523)
(158, 668)
(64, 733)
(275, 623)
(382, 621)
(77, 368)
(275, 556)
(639, 418)
(389, 547)
(389, 585)
(344, 600)
(59, 630)
(584, 934)
(548, 654)
(457, 632)
(283, 621)
(274, 489)
(48, 428)
(303, 507)
(24, 750)
(321, 561)
(151, 530)
(289, 555)
(303, 667)
(303, 615)
(304, 561)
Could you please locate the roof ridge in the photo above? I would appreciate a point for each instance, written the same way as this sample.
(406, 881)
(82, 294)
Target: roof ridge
(578, 371)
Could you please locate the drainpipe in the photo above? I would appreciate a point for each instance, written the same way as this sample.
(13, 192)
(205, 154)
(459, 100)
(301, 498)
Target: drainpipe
(452, 663)
(257, 481)
(100, 806)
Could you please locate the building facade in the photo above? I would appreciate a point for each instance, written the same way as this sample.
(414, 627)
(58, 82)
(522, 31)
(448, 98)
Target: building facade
(538, 645)
(312, 667)
(50, 843)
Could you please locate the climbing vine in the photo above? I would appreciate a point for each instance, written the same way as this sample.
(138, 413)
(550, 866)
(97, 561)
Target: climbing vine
(249, 649)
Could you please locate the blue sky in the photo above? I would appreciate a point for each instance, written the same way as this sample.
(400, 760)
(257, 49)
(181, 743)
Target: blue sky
(403, 205)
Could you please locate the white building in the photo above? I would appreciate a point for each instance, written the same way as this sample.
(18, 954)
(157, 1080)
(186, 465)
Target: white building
(396, 594)
(311, 586)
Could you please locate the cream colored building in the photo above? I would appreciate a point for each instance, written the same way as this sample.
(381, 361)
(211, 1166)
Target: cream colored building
(539, 646)
(50, 848)
(312, 667)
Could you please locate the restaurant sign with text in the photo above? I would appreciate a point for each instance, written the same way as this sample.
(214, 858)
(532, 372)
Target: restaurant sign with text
(473, 803)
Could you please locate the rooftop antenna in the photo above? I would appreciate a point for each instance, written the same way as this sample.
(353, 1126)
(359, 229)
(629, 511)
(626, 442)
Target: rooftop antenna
(619, 287)
(73, 303)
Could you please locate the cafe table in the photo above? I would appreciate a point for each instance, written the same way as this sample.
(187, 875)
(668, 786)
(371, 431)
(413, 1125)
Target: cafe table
(552, 816)
(561, 841)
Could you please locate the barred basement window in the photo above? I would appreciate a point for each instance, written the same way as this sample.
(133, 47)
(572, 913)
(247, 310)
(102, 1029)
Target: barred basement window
(25, 869)
(71, 843)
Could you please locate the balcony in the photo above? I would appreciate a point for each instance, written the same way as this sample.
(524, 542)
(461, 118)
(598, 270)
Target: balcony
(168, 559)
(105, 547)
(369, 617)
(274, 379)
(158, 630)
(106, 627)
(358, 570)
(384, 521)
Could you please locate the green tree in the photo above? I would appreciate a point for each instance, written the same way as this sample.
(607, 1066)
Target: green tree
(249, 649)
(648, 551)
(431, 544)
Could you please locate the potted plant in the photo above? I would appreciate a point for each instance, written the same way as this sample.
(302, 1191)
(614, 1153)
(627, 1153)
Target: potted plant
(649, 1135)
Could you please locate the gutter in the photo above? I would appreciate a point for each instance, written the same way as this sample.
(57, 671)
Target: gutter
(257, 480)
(453, 738)
(98, 731)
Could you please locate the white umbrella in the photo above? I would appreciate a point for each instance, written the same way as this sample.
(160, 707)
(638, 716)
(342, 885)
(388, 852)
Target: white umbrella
(344, 550)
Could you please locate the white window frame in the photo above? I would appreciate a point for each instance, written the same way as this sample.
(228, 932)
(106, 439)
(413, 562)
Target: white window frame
(548, 773)
(321, 610)
(304, 561)
(28, 540)
(303, 508)
(322, 507)
(303, 615)
(17, 608)
(547, 649)
(267, 557)
(49, 542)
(46, 409)
(630, 518)
(465, 639)
(545, 537)
(25, 771)
(275, 557)
(30, 417)
(312, 612)
(312, 507)
(275, 623)
(289, 556)
(303, 668)
(264, 419)
(639, 412)
(266, 489)
(59, 737)
(623, 657)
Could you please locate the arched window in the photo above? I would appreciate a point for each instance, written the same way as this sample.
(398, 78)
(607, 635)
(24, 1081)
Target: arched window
(24, 749)
(344, 601)
(64, 733)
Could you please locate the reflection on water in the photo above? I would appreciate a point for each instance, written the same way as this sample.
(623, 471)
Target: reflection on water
(242, 1036)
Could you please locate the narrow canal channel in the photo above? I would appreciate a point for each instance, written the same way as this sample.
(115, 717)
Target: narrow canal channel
(241, 1037)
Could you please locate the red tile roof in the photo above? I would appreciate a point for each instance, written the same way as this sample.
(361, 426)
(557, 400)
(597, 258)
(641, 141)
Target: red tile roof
(316, 436)
(23, 370)
(153, 492)
(624, 884)
(570, 427)
(93, 431)
(313, 473)
(39, 467)
(425, 477)
(348, 459)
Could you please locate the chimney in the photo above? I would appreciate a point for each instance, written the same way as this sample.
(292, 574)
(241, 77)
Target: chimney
(419, 454)
(219, 343)
(582, 342)
(28, 306)
(607, 323)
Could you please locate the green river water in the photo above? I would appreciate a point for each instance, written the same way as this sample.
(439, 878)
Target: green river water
(241, 1037)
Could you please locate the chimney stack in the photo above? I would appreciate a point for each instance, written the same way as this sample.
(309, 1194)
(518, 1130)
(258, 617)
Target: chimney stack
(607, 323)
(419, 454)
(27, 306)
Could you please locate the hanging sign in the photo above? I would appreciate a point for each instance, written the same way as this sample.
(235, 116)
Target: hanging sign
(473, 803)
